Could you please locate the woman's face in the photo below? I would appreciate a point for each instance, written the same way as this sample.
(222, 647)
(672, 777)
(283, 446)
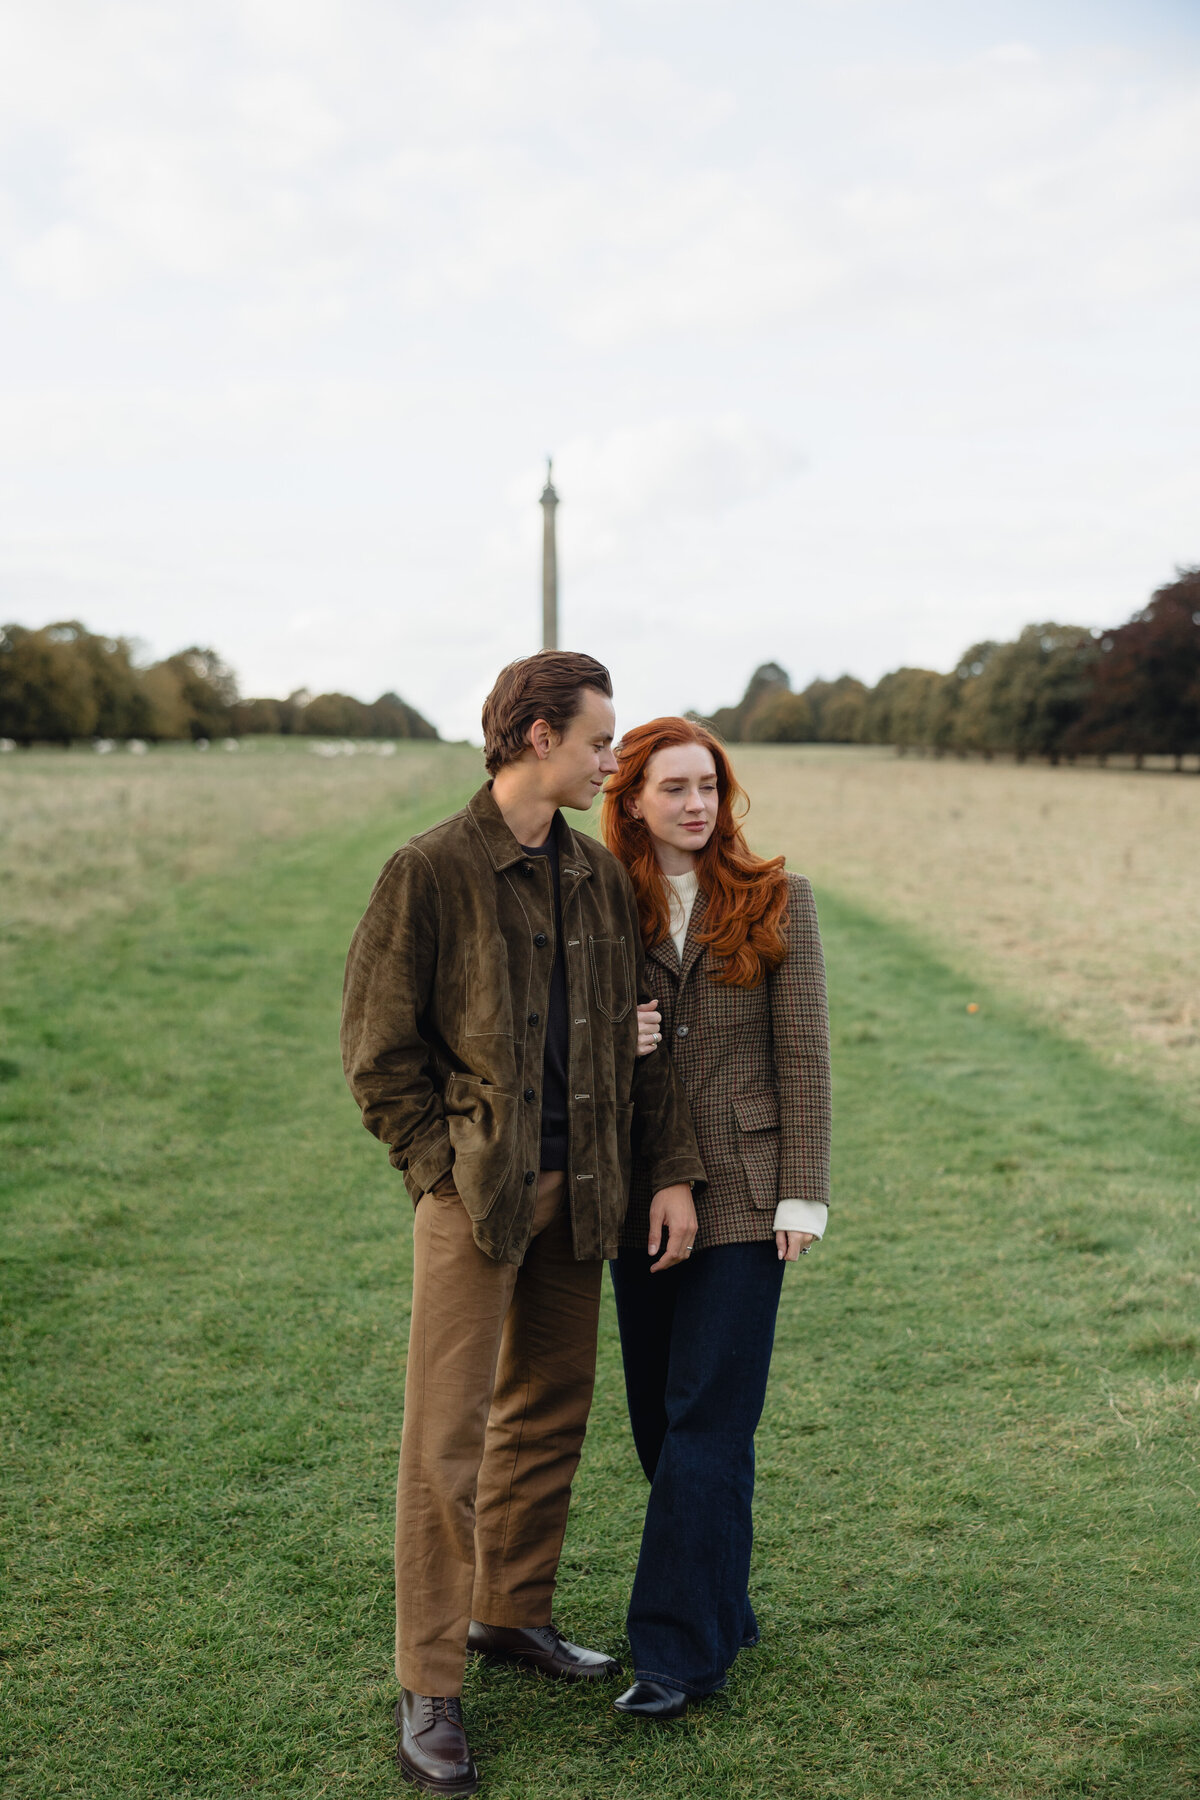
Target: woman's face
(678, 798)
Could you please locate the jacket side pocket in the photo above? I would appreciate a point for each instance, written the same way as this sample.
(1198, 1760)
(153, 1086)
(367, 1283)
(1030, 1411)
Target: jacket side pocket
(757, 1117)
(482, 1122)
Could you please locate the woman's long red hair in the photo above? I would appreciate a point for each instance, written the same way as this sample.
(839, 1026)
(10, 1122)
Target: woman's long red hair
(746, 919)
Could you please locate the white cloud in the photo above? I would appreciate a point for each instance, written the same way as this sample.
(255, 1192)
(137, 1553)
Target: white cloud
(123, 424)
(856, 324)
(645, 479)
(483, 151)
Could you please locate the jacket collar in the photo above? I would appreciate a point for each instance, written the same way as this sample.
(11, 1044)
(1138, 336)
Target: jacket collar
(503, 848)
(666, 953)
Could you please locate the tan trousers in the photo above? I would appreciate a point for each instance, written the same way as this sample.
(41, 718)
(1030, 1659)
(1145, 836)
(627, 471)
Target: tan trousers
(501, 1366)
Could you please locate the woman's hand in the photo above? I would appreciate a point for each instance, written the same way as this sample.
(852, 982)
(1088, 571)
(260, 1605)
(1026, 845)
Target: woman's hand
(649, 1027)
(791, 1244)
(672, 1212)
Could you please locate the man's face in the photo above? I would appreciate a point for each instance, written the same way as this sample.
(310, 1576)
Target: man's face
(580, 761)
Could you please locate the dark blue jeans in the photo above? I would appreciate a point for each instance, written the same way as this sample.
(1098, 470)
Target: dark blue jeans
(696, 1343)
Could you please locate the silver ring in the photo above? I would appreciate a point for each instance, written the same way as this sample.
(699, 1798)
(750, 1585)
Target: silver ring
(658, 1037)
(805, 1250)
(688, 1251)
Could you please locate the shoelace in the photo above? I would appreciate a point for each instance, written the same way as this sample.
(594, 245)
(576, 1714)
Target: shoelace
(445, 1706)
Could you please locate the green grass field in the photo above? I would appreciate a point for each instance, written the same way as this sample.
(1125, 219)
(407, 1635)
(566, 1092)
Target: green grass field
(977, 1502)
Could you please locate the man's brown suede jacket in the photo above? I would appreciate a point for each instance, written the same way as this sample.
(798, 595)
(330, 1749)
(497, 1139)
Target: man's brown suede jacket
(444, 1019)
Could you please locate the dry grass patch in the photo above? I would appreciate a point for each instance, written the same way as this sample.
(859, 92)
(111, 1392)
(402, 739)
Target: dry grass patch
(1076, 888)
(85, 836)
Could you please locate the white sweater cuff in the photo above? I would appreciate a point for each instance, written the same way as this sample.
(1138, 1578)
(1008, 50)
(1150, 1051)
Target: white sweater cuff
(801, 1215)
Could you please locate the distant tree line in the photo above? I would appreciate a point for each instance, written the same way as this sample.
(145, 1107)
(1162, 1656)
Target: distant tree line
(1056, 691)
(63, 682)
(331, 715)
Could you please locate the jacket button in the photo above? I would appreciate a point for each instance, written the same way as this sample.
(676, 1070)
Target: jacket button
(541, 940)
(532, 1019)
(681, 1031)
(530, 1093)
(530, 1177)
(527, 868)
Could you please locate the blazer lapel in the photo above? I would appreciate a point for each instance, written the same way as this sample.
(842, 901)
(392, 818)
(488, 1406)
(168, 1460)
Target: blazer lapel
(693, 949)
(666, 954)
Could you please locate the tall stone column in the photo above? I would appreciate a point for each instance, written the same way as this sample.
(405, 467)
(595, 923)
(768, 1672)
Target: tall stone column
(549, 563)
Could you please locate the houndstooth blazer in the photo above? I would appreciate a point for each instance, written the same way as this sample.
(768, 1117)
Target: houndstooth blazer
(755, 1068)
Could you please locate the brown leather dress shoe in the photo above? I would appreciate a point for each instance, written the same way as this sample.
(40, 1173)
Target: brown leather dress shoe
(432, 1750)
(540, 1647)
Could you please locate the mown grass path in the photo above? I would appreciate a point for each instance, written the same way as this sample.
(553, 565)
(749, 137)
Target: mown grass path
(978, 1473)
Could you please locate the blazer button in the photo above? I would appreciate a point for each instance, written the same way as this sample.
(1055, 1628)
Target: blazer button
(681, 1031)
(530, 1093)
(533, 1018)
(541, 940)
(530, 1177)
(527, 868)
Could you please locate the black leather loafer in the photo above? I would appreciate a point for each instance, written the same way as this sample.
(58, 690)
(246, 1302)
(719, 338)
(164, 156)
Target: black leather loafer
(432, 1750)
(541, 1647)
(652, 1700)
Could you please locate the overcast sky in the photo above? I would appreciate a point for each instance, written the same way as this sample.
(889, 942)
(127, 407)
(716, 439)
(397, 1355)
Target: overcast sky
(859, 330)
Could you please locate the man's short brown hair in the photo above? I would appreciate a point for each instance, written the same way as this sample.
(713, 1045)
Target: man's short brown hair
(546, 686)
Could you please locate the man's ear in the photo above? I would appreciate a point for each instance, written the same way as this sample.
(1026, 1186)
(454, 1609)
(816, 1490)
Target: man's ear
(542, 739)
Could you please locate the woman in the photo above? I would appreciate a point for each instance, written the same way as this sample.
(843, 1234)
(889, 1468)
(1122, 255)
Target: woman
(734, 960)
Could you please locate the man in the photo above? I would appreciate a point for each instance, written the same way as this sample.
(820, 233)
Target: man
(490, 1036)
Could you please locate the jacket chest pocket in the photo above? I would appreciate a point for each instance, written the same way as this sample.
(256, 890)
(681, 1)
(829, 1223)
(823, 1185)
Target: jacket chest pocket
(488, 1011)
(612, 976)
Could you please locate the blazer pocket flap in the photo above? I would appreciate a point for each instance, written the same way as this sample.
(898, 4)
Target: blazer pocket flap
(757, 1112)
